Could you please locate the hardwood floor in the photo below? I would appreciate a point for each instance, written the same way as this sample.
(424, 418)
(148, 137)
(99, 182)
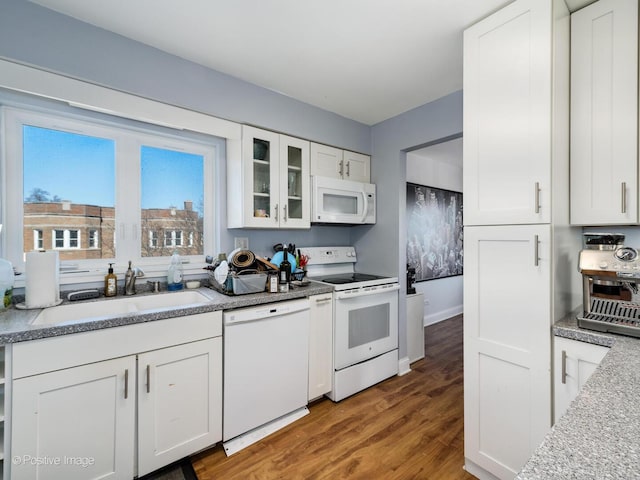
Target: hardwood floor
(408, 427)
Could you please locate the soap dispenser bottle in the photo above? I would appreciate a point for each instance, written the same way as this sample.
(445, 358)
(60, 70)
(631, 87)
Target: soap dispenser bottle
(110, 283)
(175, 273)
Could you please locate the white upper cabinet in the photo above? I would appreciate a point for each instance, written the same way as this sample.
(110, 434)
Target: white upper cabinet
(604, 113)
(508, 117)
(333, 162)
(357, 167)
(269, 185)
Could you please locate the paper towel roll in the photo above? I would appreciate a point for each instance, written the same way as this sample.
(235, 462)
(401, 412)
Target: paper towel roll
(42, 282)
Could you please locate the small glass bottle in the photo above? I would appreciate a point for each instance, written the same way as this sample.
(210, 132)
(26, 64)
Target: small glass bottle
(284, 276)
(110, 283)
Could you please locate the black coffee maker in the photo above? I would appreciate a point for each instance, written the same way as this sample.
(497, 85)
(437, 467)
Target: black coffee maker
(411, 278)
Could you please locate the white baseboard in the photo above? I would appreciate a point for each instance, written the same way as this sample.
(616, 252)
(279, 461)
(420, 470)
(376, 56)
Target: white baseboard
(404, 366)
(436, 317)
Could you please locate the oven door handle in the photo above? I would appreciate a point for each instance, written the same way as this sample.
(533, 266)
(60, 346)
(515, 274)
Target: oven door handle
(361, 292)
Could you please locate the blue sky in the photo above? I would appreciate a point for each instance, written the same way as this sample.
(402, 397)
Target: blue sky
(81, 169)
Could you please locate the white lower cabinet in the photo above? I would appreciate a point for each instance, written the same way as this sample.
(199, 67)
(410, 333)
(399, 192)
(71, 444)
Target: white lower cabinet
(320, 344)
(507, 346)
(415, 326)
(76, 423)
(80, 422)
(178, 390)
(574, 362)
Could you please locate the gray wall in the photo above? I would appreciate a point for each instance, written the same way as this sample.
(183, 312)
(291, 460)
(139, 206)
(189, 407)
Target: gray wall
(384, 245)
(443, 297)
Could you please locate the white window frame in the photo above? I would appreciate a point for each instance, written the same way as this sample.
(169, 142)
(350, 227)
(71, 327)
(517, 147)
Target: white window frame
(94, 238)
(128, 219)
(66, 239)
(173, 238)
(38, 239)
(153, 239)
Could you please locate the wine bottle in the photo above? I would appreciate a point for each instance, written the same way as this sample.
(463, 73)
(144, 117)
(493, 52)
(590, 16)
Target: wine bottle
(285, 270)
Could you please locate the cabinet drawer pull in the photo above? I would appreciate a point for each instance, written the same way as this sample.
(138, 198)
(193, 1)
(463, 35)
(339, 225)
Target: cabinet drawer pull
(341, 168)
(322, 300)
(537, 197)
(536, 256)
(348, 169)
(624, 196)
(148, 378)
(276, 215)
(126, 383)
(285, 213)
(564, 366)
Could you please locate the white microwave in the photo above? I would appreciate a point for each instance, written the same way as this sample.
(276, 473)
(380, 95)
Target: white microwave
(342, 201)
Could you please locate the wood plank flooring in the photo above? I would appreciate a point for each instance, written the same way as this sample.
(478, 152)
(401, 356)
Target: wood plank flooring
(408, 427)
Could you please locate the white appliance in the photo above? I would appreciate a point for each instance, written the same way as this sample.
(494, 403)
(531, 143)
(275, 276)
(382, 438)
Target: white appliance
(266, 370)
(342, 201)
(365, 320)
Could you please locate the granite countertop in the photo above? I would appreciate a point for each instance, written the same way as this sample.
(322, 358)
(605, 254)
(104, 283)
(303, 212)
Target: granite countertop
(16, 325)
(599, 435)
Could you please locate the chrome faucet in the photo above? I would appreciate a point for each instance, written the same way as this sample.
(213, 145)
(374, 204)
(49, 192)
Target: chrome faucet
(130, 279)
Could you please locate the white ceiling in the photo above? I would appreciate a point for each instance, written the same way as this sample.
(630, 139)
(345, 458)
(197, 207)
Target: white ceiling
(367, 60)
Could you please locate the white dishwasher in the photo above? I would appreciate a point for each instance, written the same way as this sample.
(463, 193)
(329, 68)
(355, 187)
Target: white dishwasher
(266, 359)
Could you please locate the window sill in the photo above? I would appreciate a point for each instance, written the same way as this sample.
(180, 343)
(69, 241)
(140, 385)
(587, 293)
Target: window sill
(96, 276)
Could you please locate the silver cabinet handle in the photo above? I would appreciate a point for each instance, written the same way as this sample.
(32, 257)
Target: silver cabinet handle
(285, 213)
(623, 192)
(276, 215)
(537, 197)
(341, 168)
(536, 256)
(148, 378)
(126, 383)
(348, 169)
(564, 366)
(323, 300)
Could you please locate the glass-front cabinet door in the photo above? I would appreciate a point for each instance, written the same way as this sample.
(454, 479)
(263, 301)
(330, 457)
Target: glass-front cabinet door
(261, 171)
(276, 180)
(295, 183)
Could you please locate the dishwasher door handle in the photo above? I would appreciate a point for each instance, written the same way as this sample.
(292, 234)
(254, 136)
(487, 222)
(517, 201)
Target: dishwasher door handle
(261, 315)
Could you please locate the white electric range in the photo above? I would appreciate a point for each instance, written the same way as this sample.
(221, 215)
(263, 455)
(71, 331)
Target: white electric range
(365, 319)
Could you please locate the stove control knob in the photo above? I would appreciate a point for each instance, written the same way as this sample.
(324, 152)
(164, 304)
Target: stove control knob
(603, 265)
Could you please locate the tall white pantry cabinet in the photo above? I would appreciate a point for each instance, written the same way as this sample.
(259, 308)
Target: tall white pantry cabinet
(520, 254)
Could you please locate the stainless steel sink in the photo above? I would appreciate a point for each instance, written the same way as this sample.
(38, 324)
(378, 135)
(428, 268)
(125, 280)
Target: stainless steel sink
(119, 306)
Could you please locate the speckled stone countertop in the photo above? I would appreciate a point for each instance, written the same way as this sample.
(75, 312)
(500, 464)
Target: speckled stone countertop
(599, 435)
(16, 325)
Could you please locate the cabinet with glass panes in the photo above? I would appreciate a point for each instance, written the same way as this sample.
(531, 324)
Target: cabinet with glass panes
(269, 186)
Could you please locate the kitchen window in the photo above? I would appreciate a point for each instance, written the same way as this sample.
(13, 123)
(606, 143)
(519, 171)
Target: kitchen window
(172, 183)
(106, 192)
